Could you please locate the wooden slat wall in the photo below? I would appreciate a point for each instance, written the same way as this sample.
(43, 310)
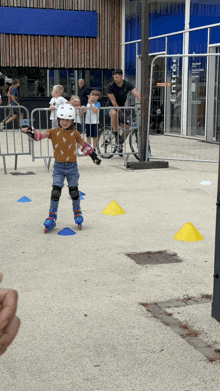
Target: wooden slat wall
(102, 52)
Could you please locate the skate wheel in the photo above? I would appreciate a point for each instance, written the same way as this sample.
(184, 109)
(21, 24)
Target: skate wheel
(80, 227)
(45, 230)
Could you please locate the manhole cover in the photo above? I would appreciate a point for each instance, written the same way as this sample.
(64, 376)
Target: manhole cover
(154, 258)
(23, 173)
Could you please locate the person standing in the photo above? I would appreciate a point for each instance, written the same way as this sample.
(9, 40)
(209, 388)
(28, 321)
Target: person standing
(14, 101)
(56, 100)
(75, 102)
(39, 89)
(92, 116)
(9, 94)
(83, 92)
(117, 92)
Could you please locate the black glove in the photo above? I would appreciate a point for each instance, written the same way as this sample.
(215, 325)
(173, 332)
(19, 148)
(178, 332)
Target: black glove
(94, 157)
(30, 133)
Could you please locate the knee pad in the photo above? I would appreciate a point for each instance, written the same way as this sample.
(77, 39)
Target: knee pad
(56, 193)
(74, 193)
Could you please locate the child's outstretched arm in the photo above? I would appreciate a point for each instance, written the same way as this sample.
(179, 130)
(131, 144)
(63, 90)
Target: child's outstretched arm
(87, 150)
(31, 132)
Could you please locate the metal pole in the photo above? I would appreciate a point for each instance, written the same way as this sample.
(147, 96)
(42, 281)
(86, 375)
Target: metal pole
(48, 82)
(216, 288)
(76, 81)
(144, 76)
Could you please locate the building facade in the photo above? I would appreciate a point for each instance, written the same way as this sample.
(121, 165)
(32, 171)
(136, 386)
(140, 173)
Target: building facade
(191, 97)
(58, 41)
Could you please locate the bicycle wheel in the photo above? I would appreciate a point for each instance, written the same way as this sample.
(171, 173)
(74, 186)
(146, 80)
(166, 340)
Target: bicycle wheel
(106, 142)
(134, 141)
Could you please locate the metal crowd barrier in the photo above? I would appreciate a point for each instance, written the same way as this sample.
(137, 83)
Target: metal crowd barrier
(107, 143)
(126, 141)
(12, 140)
(42, 149)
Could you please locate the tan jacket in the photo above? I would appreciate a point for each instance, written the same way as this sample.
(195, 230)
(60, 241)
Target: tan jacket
(64, 143)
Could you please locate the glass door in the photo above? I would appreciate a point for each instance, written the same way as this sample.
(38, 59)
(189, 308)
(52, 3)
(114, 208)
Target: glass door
(173, 95)
(158, 96)
(197, 96)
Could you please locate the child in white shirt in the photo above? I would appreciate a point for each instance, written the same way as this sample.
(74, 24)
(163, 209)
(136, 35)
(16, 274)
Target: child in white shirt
(56, 100)
(92, 116)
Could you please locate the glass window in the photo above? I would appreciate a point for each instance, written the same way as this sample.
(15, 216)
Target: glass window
(96, 79)
(196, 96)
(34, 80)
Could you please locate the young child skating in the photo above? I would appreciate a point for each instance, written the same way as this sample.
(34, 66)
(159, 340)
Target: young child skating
(92, 116)
(64, 139)
(56, 100)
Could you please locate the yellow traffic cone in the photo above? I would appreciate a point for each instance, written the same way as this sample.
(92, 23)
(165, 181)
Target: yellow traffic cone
(188, 233)
(113, 209)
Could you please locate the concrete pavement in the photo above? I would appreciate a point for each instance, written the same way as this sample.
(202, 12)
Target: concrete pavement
(82, 325)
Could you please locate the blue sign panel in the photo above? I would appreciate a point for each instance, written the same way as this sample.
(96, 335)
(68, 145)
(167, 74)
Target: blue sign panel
(35, 21)
(157, 45)
(198, 41)
(166, 23)
(175, 44)
(203, 14)
(215, 35)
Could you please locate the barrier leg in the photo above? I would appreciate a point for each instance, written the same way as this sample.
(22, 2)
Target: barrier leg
(4, 164)
(49, 163)
(16, 162)
(45, 162)
(125, 159)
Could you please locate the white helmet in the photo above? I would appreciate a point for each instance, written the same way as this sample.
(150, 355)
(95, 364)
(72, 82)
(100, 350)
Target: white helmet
(66, 111)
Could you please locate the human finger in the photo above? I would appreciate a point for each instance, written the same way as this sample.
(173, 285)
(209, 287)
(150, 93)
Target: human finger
(8, 303)
(10, 333)
(1, 277)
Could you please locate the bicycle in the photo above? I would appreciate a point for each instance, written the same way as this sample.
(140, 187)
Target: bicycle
(110, 143)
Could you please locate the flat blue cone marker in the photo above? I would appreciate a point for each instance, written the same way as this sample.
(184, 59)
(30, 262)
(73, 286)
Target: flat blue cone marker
(81, 193)
(66, 232)
(24, 199)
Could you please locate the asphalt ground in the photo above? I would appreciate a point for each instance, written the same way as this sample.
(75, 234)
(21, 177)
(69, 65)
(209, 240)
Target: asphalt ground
(82, 325)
